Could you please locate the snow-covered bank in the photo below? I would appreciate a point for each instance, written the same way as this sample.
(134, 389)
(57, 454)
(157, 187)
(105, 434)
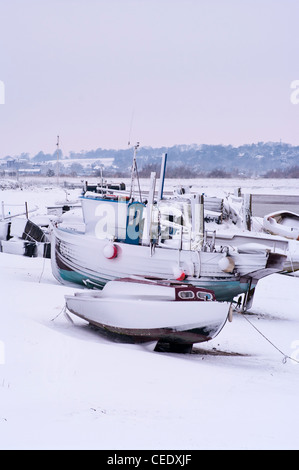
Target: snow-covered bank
(65, 386)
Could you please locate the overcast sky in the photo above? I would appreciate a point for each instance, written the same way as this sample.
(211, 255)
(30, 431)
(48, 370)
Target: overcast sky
(162, 72)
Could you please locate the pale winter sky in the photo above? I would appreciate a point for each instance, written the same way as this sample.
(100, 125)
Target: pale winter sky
(163, 72)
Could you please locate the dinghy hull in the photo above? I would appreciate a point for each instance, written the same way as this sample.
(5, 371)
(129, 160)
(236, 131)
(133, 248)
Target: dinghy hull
(283, 223)
(130, 311)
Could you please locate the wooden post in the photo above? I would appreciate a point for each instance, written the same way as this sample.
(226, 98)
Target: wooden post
(26, 210)
(150, 205)
(198, 223)
(247, 211)
(162, 176)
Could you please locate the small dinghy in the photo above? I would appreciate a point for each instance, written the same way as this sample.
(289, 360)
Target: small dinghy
(173, 314)
(283, 223)
(21, 236)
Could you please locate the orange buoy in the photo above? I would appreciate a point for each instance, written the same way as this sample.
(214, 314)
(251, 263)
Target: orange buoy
(179, 274)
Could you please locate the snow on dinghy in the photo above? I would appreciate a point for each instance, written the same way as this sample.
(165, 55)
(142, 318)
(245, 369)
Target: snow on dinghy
(146, 310)
(283, 223)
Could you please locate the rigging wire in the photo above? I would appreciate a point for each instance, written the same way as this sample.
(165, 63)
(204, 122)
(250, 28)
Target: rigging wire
(61, 311)
(138, 181)
(285, 356)
(43, 269)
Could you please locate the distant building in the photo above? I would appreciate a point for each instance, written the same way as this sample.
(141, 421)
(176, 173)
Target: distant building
(29, 171)
(11, 162)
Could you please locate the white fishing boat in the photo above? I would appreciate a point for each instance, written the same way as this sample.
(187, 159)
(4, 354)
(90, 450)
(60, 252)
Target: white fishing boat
(126, 235)
(283, 223)
(152, 310)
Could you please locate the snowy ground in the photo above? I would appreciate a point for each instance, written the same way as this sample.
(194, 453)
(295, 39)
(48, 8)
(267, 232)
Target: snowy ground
(65, 386)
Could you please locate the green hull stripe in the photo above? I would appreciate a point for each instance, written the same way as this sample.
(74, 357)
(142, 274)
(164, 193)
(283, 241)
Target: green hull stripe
(224, 290)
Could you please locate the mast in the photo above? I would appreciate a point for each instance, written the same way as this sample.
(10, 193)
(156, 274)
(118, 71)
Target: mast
(134, 173)
(57, 154)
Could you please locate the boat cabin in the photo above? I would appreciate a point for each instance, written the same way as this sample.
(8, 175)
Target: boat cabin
(175, 223)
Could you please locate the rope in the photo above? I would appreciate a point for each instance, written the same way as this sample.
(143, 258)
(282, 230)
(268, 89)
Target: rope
(64, 310)
(292, 266)
(257, 221)
(61, 311)
(40, 278)
(285, 356)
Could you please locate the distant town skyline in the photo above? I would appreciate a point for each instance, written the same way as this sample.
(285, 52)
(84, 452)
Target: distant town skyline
(100, 73)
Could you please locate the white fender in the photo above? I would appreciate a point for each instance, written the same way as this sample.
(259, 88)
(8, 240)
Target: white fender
(226, 264)
(110, 251)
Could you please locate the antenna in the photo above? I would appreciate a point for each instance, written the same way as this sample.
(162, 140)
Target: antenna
(131, 126)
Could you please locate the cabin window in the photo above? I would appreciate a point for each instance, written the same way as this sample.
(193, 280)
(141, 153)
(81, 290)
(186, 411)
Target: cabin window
(186, 294)
(134, 223)
(204, 296)
(174, 218)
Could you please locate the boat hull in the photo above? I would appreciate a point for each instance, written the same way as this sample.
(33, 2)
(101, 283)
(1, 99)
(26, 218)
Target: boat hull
(78, 259)
(151, 320)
